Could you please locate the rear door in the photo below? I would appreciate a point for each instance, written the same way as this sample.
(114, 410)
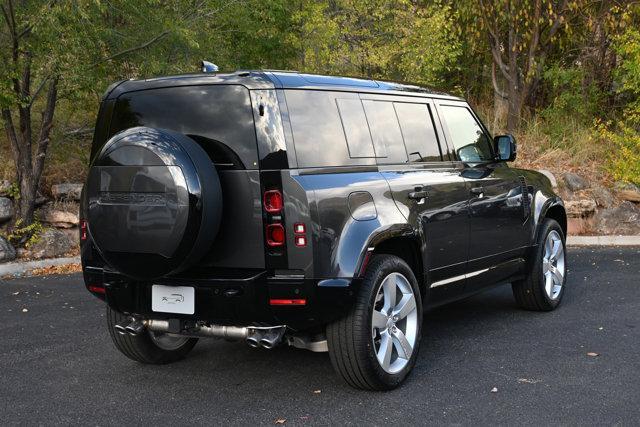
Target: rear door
(428, 190)
(498, 213)
(220, 119)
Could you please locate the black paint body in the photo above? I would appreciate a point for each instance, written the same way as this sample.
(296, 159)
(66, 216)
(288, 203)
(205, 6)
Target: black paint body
(461, 226)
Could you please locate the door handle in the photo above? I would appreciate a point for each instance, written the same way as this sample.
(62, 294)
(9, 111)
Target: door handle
(478, 191)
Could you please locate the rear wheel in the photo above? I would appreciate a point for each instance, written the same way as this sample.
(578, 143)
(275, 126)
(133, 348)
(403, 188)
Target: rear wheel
(543, 287)
(375, 346)
(148, 347)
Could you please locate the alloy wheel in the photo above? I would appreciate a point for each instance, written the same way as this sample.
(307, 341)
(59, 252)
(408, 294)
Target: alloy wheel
(394, 325)
(553, 265)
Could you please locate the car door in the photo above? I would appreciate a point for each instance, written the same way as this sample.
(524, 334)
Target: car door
(498, 212)
(429, 192)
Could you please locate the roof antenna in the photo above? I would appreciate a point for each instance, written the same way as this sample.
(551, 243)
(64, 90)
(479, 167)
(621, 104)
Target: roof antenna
(209, 67)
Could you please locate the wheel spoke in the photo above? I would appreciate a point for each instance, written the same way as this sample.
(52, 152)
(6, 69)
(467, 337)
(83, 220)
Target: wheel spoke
(557, 276)
(379, 320)
(545, 266)
(389, 289)
(385, 351)
(555, 249)
(548, 284)
(403, 347)
(406, 305)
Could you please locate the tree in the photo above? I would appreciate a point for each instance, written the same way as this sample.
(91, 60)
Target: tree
(68, 50)
(520, 34)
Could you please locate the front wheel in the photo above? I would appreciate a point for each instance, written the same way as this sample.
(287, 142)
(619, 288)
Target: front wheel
(148, 347)
(376, 345)
(543, 287)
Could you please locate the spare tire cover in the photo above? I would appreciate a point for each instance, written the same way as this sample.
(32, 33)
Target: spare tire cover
(154, 202)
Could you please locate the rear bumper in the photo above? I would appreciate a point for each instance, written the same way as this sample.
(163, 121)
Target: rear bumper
(240, 300)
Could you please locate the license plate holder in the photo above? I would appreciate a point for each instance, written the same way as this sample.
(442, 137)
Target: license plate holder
(173, 299)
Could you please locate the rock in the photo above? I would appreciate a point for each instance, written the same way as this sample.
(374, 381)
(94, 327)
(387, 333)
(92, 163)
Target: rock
(580, 208)
(603, 197)
(5, 186)
(579, 226)
(59, 218)
(7, 251)
(552, 178)
(627, 191)
(50, 244)
(623, 220)
(6, 209)
(40, 199)
(66, 191)
(575, 182)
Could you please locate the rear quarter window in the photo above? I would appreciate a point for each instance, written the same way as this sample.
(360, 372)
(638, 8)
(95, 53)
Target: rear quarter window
(319, 135)
(218, 117)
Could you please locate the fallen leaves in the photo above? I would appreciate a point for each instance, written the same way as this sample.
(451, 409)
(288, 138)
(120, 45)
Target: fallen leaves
(280, 421)
(56, 269)
(592, 354)
(494, 390)
(527, 381)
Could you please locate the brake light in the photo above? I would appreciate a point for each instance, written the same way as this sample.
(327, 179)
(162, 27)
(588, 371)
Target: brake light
(83, 229)
(298, 301)
(273, 202)
(275, 235)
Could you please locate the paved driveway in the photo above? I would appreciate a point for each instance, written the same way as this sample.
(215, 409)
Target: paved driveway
(59, 366)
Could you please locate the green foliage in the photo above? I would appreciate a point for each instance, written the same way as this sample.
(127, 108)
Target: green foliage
(25, 235)
(14, 191)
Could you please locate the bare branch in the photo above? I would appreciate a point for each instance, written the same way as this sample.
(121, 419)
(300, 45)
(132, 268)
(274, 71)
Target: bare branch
(45, 129)
(135, 48)
(494, 81)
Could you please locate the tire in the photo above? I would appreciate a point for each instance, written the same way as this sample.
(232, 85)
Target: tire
(144, 348)
(535, 292)
(354, 342)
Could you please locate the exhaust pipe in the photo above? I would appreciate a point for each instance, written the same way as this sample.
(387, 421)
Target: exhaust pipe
(253, 338)
(272, 337)
(134, 328)
(121, 327)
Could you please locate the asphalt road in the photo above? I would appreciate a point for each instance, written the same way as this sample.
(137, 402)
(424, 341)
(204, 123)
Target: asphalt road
(59, 366)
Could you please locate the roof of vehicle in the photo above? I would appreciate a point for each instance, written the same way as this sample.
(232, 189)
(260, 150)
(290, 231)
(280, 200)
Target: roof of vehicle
(271, 79)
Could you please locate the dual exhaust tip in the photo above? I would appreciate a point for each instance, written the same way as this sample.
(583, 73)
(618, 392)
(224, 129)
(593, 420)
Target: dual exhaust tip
(129, 327)
(265, 338)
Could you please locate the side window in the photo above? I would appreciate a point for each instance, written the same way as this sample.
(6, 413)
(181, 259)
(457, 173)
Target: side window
(385, 132)
(355, 127)
(319, 133)
(417, 129)
(469, 140)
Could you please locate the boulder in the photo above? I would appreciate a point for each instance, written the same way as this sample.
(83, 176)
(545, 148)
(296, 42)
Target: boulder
(603, 197)
(575, 182)
(552, 178)
(6, 209)
(7, 251)
(59, 218)
(580, 208)
(627, 191)
(5, 186)
(623, 220)
(67, 191)
(50, 244)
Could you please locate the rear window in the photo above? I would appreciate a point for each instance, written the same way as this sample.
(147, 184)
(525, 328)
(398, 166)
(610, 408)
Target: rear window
(218, 117)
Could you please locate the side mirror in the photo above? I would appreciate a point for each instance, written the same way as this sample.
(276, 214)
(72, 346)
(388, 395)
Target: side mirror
(505, 146)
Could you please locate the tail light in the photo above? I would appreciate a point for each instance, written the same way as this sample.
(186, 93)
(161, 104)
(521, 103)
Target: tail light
(273, 202)
(275, 235)
(297, 301)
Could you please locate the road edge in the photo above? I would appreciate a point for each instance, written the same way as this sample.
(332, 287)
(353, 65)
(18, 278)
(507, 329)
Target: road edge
(22, 268)
(603, 241)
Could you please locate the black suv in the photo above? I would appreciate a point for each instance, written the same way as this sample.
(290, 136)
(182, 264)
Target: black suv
(321, 212)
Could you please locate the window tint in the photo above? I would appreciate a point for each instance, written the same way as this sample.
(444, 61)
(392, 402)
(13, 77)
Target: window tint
(469, 140)
(385, 132)
(417, 130)
(218, 117)
(318, 132)
(355, 127)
